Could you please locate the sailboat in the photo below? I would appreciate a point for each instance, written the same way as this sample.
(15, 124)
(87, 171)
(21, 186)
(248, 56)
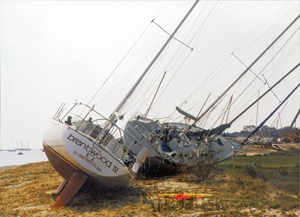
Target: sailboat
(19, 149)
(27, 147)
(84, 146)
(13, 149)
(193, 143)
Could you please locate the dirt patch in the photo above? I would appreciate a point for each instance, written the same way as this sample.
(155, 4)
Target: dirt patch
(258, 149)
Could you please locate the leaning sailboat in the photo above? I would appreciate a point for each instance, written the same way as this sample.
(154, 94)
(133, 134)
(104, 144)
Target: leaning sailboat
(84, 146)
(194, 143)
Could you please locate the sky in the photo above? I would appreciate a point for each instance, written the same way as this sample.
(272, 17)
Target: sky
(63, 51)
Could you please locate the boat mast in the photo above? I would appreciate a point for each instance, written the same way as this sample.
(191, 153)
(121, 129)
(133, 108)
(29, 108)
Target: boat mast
(223, 127)
(155, 94)
(198, 118)
(153, 61)
(262, 123)
(257, 110)
(239, 115)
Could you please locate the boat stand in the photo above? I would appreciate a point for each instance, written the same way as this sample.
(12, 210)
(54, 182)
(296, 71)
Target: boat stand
(68, 189)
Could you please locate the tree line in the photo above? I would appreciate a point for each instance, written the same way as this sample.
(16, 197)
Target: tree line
(265, 131)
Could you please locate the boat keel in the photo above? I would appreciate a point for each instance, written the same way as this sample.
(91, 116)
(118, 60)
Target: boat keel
(69, 189)
(61, 187)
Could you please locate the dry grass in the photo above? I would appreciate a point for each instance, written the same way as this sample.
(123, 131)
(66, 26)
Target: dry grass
(28, 190)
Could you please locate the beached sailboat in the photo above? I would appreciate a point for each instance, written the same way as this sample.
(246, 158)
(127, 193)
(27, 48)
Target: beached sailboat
(86, 147)
(84, 150)
(194, 143)
(12, 149)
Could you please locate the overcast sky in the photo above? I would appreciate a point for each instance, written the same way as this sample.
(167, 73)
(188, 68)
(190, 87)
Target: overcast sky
(62, 51)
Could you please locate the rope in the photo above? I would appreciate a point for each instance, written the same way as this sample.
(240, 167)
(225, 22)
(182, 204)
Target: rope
(269, 88)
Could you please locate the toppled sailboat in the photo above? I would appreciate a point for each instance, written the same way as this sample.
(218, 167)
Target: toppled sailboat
(88, 150)
(86, 147)
(194, 143)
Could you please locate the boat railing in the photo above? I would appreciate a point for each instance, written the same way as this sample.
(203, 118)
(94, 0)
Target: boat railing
(149, 129)
(102, 131)
(152, 132)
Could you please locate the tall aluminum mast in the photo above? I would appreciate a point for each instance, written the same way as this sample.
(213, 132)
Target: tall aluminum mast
(153, 61)
(198, 118)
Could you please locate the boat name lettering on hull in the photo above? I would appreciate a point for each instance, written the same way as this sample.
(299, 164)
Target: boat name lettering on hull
(87, 160)
(115, 169)
(94, 153)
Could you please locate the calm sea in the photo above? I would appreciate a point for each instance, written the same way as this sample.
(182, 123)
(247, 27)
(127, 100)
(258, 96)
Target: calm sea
(12, 158)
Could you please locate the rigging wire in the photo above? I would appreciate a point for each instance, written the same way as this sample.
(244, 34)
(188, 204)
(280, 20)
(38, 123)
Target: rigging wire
(206, 81)
(284, 56)
(158, 98)
(265, 23)
(265, 82)
(170, 35)
(154, 59)
(200, 35)
(268, 62)
(163, 9)
(270, 87)
(117, 66)
(123, 59)
(128, 74)
(210, 112)
(197, 32)
(247, 66)
(144, 95)
(174, 55)
(167, 66)
(266, 66)
(271, 59)
(157, 63)
(278, 117)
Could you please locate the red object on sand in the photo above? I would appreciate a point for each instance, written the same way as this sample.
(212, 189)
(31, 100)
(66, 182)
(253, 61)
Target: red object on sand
(182, 196)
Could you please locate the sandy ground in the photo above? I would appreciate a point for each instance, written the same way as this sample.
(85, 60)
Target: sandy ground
(139, 199)
(257, 149)
(7, 168)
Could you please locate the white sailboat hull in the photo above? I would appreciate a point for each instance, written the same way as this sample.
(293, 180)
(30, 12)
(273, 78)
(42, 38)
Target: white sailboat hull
(185, 152)
(69, 150)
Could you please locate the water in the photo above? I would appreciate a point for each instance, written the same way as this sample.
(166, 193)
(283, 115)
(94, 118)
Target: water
(12, 158)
